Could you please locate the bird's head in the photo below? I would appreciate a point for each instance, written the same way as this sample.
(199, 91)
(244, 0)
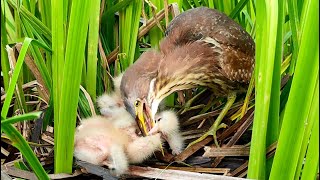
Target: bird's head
(136, 104)
(143, 106)
(135, 85)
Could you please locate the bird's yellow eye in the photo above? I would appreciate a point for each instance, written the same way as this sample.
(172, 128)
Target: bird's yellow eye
(137, 103)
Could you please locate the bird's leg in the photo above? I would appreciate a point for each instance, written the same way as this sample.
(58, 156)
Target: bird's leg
(242, 111)
(217, 124)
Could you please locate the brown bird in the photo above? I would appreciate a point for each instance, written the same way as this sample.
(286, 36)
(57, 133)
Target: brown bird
(202, 47)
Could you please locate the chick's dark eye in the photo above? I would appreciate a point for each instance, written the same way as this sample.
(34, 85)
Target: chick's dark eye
(158, 119)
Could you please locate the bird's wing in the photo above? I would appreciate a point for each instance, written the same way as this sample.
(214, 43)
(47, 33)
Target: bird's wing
(203, 22)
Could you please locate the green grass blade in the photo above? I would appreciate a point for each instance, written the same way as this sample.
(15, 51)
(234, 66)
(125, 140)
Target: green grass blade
(267, 20)
(4, 35)
(314, 116)
(5, 67)
(19, 94)
(93, 49)
(310, 156)
(70, 85)
(32, 19)
(235, 12)
(17, 19)
(23, 117)
(84, 106)
(155, 33)
(210, 4)
(274, 109)
(33, 6)
(26, 3)
(58, 48)
(187, 5)
(305, 76)
(311, 165)
(129, 22)
(196, 3)
(15, 76)
(21, 165)
(45, 11)
(135, 29)
(19, 142)
(9, 24)
(115, 8)
(35, 51)
(294, 24)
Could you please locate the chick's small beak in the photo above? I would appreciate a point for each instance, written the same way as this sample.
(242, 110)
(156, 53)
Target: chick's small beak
(154, 130)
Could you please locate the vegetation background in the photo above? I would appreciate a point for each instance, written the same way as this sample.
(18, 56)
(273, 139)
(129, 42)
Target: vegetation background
(58, 56)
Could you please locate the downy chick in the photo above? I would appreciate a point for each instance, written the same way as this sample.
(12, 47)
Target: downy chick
(100, 142)
(112, 108)
(167, 124)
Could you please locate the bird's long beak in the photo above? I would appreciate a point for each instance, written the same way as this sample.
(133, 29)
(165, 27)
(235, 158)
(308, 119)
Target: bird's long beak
(143, 118)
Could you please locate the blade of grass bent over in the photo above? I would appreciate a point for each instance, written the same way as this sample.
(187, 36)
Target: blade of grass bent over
(15, 75)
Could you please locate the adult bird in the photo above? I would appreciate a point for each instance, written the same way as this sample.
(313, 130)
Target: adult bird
(202, 47)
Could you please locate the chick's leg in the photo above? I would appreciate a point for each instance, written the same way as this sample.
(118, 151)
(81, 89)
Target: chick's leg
(175, 141)
(217, 124)
(117, 161)
(143, 147)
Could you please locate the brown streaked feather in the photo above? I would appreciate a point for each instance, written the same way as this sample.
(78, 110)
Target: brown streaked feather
(198, 23)
(219, 67)
(205, 47)
(194, 64)
(237, 65)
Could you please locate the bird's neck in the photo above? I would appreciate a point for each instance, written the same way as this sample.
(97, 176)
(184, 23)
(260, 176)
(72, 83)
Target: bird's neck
(185, 67)
(160, 89)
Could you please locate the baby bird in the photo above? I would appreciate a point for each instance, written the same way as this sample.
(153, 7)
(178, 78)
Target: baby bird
(167, 124)
(112, 108)
(100, 142)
